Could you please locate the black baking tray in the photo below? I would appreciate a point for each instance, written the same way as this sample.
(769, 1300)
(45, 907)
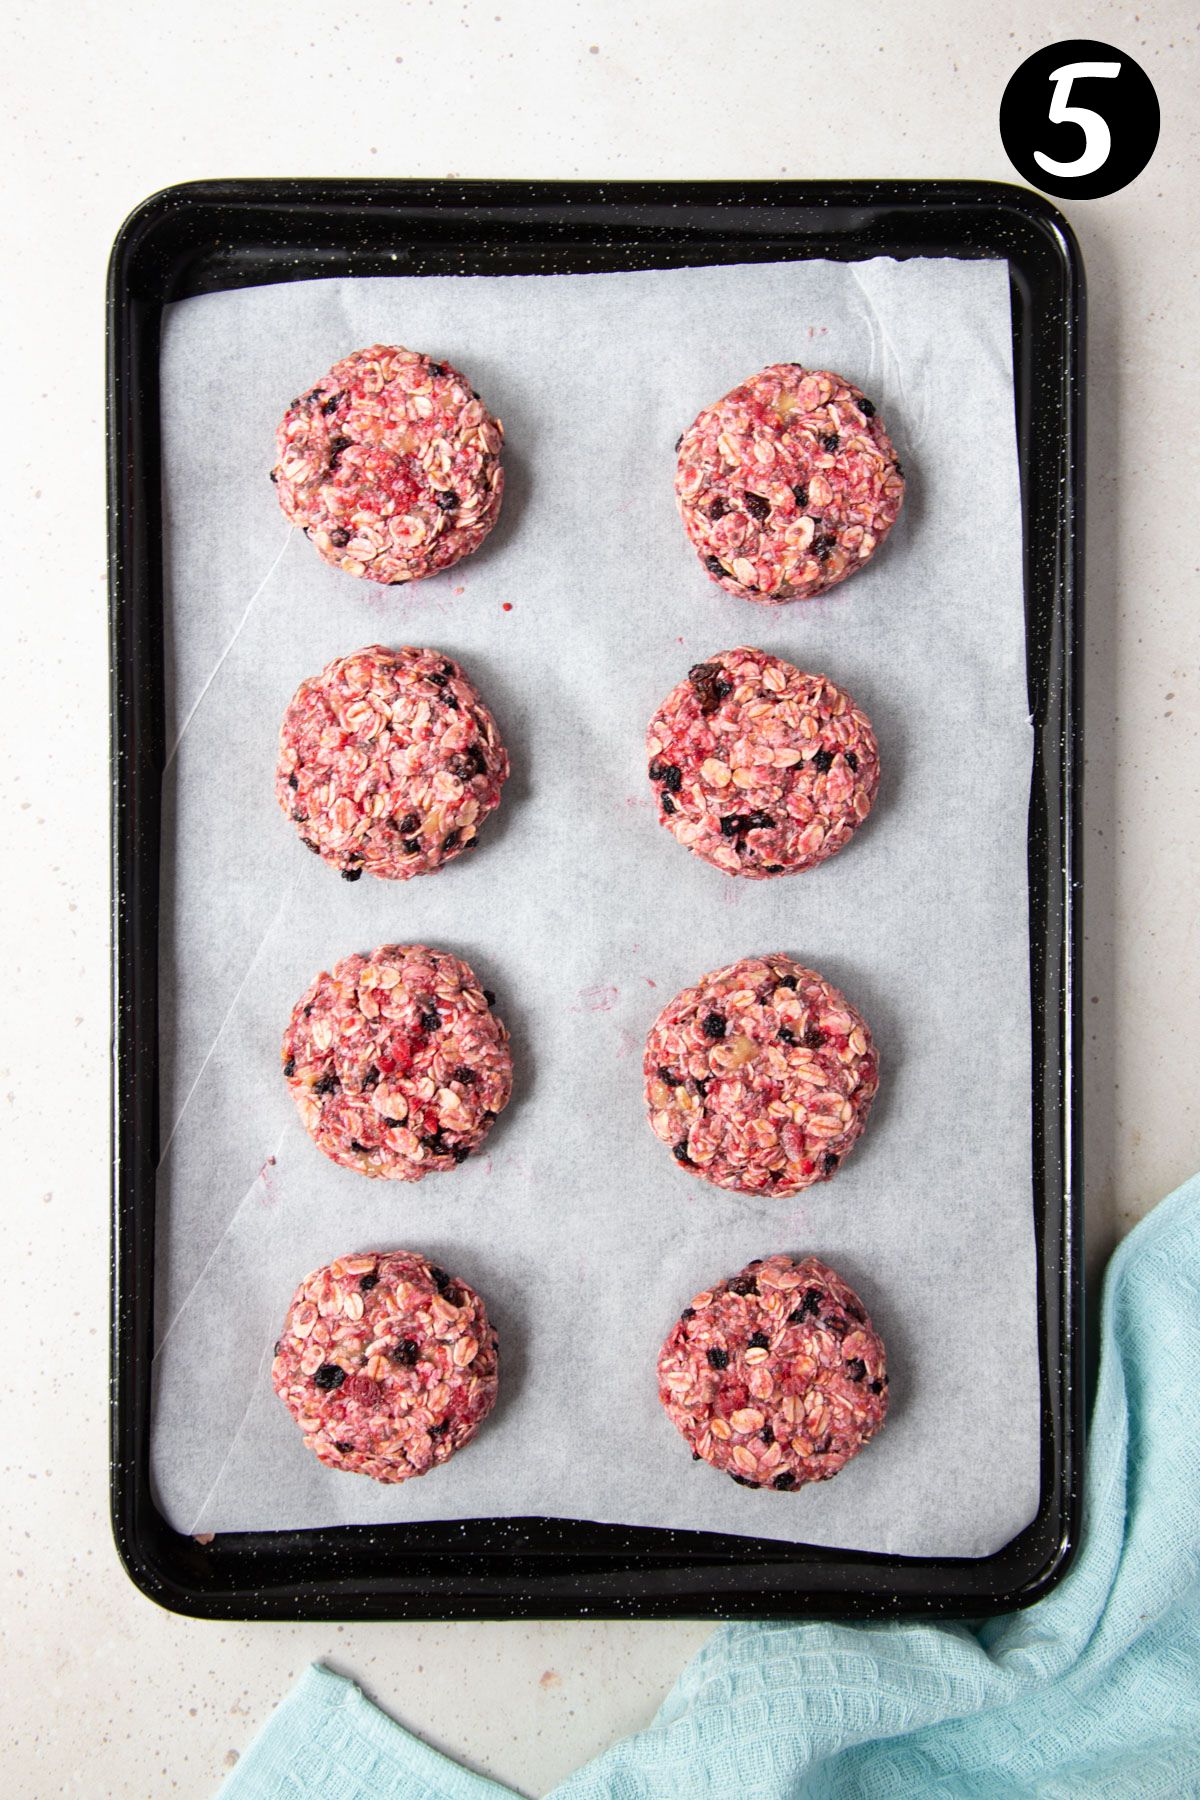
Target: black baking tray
(205, 236)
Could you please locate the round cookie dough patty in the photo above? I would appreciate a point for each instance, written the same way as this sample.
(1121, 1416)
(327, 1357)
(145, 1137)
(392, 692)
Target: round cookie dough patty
(396, 1062)
(775, 1376)
(391, 465)
(760, 1077)
(760, 768)
(788, 484)
(389, 762)
(387, 1365)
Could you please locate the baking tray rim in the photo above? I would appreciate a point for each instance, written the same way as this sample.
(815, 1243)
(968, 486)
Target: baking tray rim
(350, 1571)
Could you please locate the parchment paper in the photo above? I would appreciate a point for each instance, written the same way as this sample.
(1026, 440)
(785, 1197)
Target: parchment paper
(585, 917)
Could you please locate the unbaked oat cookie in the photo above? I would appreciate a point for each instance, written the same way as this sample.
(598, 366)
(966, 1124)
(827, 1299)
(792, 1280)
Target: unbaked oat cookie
(788, 484)
(775, 1376)
(759, 768)
(387, 1364)
(390, 465)
(396, 1062)
(760, 1077)
(389, 762)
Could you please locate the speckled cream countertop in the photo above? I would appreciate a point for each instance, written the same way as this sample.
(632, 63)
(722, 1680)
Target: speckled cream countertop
(104, 1694)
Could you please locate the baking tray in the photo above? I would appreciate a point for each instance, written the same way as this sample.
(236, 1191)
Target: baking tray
(206, 236)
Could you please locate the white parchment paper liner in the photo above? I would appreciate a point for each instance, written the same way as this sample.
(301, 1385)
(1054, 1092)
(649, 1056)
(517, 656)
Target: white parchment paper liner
(585, 917)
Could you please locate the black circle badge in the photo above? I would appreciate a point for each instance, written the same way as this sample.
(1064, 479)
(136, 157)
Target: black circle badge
(1079, 119)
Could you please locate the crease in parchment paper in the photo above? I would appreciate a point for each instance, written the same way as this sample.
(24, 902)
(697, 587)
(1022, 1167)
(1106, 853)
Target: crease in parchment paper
(217, 666)
(220, 1031)
(260, 1180)
(251, 1393)
(585, 917)
(888, 360)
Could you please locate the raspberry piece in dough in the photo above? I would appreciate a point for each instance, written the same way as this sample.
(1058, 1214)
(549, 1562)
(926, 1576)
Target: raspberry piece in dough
(389, 762)
(788, 484)
(390, 465)
(776, 1376)
(760, 1077)
(387, 1364)
(396, 1062)
(760, 768)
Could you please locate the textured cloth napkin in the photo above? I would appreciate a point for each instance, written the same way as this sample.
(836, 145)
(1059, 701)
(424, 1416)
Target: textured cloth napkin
(1093, 1692)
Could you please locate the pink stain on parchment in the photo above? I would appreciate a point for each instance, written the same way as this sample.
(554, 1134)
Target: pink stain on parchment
(269, 1184)
(599, 999)
(381, 603)
(626, 1043)
(798, 1224)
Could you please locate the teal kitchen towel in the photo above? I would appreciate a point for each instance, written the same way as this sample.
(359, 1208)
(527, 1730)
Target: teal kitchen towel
(1094, 1692)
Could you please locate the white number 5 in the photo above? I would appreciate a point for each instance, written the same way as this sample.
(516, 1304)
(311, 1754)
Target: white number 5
(1097, 137)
